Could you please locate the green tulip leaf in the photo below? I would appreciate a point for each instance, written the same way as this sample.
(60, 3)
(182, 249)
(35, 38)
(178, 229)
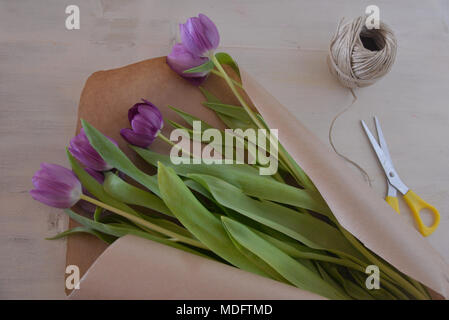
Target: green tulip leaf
(190, 118)
(245, 178)
(305, 228)
(382, 293)
(262, 265)
(326, 277)
(210, 97)
(195, 186)
(229, 110)
(102, 236)
(235, 170)
(299, 251)
(120, 231)
(287, 267)
(179, 126)
(352, 289)
(230, 122)
(233, 123)
(205, 67)
(97, 213)
(97, 191)
(226, 59)
(127, 193)
(198, 220)
(216, 144)
(95, 188)
(116, 158)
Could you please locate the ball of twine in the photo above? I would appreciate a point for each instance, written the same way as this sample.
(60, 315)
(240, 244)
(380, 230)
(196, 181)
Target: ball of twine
(358, 56)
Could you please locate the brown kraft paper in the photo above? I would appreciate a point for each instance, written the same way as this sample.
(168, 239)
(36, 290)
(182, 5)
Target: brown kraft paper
(134, 268)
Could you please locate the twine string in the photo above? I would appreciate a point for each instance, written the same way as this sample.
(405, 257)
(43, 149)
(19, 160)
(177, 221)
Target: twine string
(358, 57)
(365, 174)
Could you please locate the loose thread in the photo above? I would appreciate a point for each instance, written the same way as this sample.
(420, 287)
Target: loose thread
(365, 175)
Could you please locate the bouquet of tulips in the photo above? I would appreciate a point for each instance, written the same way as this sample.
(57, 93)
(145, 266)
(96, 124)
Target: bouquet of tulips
(273, 223)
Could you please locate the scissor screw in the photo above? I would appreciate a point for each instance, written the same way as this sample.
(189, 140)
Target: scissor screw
(391, 174)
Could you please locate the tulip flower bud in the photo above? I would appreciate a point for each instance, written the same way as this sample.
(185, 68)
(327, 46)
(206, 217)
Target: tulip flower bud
(199, 35)
(82, 150)
(146, 123)
(180, 60)
(56, 186)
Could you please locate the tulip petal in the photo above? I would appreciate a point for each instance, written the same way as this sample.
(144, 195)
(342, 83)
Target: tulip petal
(143, 127)
(56, 186)
(136, 139)
(197, 81)
(82, 150)
(191, 38)
(211, 30)
(146, 122)
(56, 172)
(52, 186)
(132, 112)
(180, 60)
(52, 201)
(152, 115)
(88, 160)
(199, 35)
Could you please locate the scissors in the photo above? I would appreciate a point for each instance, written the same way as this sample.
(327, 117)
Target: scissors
(415, 203)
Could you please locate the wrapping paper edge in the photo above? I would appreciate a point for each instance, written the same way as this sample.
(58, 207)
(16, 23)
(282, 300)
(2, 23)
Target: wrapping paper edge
(174, 275)
(310, 154)
(355, 205)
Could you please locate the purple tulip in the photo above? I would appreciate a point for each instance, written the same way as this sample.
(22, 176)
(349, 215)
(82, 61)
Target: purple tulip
(82, 150)
(180, 60)
(146, 122)
(56, 186)
(199, 35)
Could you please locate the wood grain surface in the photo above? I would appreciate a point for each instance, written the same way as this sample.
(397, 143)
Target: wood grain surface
(43, 68)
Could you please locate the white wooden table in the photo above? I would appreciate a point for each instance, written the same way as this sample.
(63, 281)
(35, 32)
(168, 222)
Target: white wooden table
(43, 67)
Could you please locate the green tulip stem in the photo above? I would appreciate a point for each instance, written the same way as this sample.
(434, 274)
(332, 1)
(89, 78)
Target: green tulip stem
(293, 170)
(383, 267)
(222, 76)
(145, 223)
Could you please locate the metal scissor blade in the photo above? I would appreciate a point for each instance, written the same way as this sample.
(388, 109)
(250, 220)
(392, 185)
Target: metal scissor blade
(391, 190)
(385, 161)
(380, 154)
(382, 141)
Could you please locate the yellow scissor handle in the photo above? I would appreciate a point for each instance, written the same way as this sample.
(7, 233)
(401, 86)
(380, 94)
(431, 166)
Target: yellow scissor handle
(393, 202)
(417, 204)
